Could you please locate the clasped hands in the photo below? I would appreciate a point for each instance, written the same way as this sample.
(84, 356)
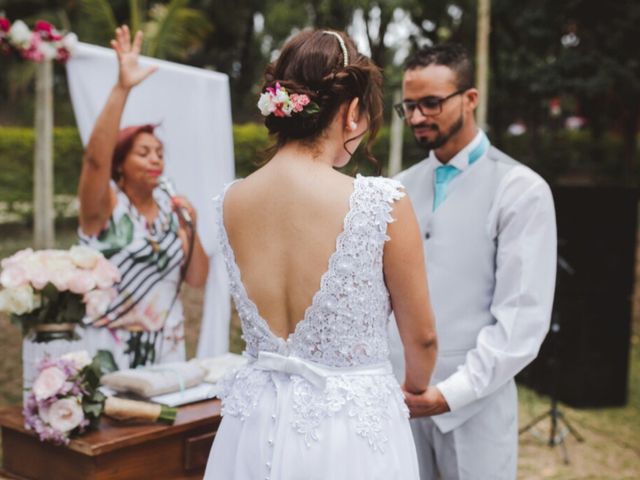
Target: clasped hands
(428, 403)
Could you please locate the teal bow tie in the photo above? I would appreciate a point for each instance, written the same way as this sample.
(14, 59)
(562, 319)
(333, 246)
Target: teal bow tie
(444, 174)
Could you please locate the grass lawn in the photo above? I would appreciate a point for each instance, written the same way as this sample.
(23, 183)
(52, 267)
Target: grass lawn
(612, 436)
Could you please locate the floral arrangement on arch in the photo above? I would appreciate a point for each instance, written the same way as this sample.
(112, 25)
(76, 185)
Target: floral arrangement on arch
(44, 42)
(49, 291)
(66, 399)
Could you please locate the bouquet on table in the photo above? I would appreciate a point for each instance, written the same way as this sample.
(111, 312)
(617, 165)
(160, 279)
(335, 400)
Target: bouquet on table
(65, 398)
(49, 292)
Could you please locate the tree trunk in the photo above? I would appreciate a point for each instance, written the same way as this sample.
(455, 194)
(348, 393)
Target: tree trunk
(43, 213)
(482, 60)
(395, 138)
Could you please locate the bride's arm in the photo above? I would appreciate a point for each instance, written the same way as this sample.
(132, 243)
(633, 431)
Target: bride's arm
(406, 279)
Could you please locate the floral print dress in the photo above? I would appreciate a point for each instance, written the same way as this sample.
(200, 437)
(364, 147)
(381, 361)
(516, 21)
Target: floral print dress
(143, 324)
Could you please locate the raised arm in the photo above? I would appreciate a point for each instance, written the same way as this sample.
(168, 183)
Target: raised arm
(407, 283)
(97, 199)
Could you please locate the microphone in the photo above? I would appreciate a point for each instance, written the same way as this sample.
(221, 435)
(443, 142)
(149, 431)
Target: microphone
(167, 187)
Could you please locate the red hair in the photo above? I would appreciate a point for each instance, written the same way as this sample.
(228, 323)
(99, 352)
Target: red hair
(124, 144)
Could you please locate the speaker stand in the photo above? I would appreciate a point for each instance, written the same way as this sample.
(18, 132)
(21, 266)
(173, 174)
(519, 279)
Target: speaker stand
(556, 433)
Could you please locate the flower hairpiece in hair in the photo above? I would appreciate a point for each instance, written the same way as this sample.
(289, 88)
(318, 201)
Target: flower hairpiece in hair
(277, 101)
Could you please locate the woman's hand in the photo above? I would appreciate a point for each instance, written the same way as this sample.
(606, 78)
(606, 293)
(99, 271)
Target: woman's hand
(179, 202)
(198, 268)
(130, 73)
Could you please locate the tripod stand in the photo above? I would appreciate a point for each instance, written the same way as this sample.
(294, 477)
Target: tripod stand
(557, 434)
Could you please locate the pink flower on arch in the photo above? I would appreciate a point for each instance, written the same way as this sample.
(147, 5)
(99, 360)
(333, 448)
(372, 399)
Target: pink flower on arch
(5, 25)
(46, 31)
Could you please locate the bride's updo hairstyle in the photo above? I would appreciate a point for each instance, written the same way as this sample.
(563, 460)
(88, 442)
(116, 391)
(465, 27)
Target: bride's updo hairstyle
(312, 63)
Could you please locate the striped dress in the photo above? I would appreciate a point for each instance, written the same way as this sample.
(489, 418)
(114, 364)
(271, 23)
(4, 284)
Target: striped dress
(144, 324)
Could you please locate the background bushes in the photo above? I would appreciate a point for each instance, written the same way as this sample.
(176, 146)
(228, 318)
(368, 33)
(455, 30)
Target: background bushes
(556, 156)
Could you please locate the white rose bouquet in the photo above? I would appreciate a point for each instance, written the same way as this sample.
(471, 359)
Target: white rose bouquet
(65, 398)
(50, 291)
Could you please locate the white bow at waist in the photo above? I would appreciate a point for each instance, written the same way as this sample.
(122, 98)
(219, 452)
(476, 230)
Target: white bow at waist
(315, 373)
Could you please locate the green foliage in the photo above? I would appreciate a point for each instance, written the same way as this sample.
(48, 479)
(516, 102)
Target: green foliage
(172, 29)
(93, 399)
(57, 307)
(554, 155)
(98, 21)
(16, 162)
(251, 142)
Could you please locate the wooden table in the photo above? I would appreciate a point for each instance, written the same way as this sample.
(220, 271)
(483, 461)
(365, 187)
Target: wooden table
(115, 450)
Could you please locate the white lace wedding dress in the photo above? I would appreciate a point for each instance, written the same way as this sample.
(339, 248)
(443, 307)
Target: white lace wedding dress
(322, 404)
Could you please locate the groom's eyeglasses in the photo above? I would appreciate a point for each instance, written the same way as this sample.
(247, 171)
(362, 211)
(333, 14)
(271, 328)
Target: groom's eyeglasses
(428, 106)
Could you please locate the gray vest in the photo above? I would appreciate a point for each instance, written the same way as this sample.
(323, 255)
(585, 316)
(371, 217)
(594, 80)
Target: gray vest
(460, 250)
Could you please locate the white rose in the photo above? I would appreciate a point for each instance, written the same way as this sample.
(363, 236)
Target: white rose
(60, 269)
(84, 257)
(48, 51)
(281, 97)
(48, 383)
(19, 300)
(20, 35)
(65, 414)
(70, 42)
(80, 358)
(264, 104)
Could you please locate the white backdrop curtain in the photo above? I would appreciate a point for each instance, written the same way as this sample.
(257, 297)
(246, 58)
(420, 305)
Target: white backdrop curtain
(193, 109)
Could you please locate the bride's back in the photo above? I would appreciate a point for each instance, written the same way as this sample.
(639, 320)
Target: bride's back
(282, 223)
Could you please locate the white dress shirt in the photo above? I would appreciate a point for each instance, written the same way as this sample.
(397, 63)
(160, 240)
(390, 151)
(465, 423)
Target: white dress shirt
(492, 289)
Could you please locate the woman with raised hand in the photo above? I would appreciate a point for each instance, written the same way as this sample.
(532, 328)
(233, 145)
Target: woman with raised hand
(317, 261)
(136, 225)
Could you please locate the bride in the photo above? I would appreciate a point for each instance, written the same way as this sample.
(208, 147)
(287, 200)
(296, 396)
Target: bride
(317, 260)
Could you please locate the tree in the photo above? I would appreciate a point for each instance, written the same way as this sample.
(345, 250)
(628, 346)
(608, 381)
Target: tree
(172, 30)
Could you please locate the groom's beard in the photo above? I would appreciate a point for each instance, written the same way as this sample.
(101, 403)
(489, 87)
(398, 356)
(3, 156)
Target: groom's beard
(441, 138)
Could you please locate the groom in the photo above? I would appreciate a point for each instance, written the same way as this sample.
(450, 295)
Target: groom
(489, 234)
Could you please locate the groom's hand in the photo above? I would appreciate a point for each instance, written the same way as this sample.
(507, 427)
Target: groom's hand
(430, 402)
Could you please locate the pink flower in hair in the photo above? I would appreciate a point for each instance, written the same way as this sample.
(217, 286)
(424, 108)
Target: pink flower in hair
(299, 101)
(277, 101)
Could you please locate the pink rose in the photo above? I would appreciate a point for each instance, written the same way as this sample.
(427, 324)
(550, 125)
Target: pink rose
(61, 278)
(32, 51)
(5, 25)
(46, 31)
(65, 414)
(63, 55)
(98, 301)
(38, 278)
(105, 273)
(17, 258)
(81, 282)
(13, 276)
(48, 383)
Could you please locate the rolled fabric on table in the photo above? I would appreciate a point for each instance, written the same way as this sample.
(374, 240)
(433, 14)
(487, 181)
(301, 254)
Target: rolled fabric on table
(156, 379)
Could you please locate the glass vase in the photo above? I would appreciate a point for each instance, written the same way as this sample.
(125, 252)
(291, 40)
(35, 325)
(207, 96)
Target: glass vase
(46, 340)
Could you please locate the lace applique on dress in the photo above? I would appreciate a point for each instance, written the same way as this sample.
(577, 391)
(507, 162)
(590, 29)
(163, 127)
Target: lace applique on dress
(345, 325)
